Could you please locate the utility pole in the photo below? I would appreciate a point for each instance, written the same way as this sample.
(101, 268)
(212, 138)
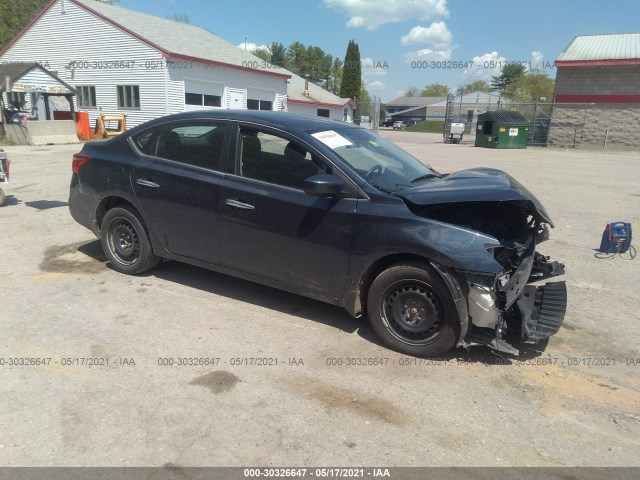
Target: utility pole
(376, 114)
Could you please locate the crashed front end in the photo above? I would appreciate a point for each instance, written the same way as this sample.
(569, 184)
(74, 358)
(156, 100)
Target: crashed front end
(507, 301)
(509, 308)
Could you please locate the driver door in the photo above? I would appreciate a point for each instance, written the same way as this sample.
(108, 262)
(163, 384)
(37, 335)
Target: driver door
(272, 229)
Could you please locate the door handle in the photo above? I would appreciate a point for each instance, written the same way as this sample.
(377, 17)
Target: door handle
(146, 183)
(237, 204)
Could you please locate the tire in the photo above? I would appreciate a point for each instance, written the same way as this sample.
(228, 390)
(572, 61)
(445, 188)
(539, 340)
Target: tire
(2, 197)
(411, 309)
(126, 243)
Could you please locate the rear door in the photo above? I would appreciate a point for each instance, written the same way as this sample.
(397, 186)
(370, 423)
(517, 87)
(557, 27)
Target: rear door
(177, 185)
(271, 228)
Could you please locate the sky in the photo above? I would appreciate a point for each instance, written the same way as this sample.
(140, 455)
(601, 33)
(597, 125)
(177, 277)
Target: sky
(407, 43)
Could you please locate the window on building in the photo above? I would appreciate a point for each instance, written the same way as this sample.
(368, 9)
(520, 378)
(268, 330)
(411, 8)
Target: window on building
(16, 99)
(259, 104)
(212, 100)
(128, 96)
(86, 96)
(323, 112)
(202, 99)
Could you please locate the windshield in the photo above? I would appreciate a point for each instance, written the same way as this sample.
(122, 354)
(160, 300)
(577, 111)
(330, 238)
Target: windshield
(379, 161)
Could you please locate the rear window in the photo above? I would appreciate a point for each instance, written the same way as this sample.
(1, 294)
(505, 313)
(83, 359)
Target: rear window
(145, 142)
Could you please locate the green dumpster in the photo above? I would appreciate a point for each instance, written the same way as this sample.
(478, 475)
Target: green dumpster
(502, 130)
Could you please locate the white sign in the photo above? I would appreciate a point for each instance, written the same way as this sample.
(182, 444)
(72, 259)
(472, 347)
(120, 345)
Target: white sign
(513, 132)
(331, 139)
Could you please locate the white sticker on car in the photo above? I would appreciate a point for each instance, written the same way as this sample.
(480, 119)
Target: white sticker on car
(332, 139)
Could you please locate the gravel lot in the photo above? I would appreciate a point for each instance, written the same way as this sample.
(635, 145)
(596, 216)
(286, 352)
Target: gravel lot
(576, 405)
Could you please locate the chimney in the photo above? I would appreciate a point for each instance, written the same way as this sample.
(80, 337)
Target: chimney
(306, 87)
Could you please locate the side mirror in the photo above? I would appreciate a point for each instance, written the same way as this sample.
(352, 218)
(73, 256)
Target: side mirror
(323, 186)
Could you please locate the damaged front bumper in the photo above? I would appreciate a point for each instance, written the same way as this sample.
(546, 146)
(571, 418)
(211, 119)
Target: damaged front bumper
(508, 310)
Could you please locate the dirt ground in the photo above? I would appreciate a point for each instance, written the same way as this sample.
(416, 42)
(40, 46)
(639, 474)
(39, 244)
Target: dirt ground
(576, 405)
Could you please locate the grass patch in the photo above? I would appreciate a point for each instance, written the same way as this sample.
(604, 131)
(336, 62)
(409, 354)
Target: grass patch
(427, 126)
(6, 141)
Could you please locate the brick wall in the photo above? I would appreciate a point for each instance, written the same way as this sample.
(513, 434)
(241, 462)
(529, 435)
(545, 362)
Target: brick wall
(589, 124)
(586, 125)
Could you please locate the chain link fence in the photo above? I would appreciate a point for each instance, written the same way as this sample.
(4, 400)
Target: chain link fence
(560, 125)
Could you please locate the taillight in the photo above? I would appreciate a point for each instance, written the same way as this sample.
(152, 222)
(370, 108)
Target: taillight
(79, 160)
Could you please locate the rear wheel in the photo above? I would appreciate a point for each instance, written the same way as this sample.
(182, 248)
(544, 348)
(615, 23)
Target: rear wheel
(126, 243)
(411, 310)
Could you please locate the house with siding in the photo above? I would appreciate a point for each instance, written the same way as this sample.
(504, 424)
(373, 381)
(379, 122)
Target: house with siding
(410, 109)
(22, 81)
(307, 98)
(413, 108)
(122, 61)
(30, 83)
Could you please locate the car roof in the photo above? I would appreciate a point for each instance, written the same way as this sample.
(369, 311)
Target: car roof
(283, 120)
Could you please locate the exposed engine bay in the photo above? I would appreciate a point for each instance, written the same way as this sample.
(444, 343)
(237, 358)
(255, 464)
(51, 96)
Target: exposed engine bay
(505, 309)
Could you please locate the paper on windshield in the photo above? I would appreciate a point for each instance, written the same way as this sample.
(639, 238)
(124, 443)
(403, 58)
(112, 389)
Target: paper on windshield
(332, 139)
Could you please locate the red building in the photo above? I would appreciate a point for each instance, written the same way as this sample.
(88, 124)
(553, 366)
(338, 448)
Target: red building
(597, 96)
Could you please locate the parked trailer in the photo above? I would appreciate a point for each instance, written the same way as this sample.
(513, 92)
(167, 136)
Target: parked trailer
(455, 133)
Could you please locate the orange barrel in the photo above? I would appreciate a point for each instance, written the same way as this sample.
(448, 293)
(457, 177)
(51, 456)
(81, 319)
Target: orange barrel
(83, 126)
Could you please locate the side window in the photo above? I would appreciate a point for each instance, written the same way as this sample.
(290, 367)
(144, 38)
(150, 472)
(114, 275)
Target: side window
(198, 144)
(145, 141)
(270, 158)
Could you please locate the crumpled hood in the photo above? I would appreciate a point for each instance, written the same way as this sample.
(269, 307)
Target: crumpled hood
(473, 185)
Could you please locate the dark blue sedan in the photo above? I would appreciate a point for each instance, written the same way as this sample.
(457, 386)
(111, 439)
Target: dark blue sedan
(330, 211)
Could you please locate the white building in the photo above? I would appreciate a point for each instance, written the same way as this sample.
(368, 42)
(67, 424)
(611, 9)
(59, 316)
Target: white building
(307, 98)
(122, 61)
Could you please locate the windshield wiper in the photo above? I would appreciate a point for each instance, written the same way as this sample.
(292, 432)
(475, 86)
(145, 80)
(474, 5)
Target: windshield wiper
(424, 177)
(381, 188)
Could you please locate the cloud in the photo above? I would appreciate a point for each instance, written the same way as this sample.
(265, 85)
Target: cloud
(356, 22)
(374, 68)
(427, 54)
(377, 85)
(252, 47)
(437, 35)
(536, 58)
(373, 13)
(485, 66)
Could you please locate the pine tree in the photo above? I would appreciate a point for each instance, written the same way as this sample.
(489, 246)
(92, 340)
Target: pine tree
(510, 73)
(352, 73)
(15, 15)
(278, 54)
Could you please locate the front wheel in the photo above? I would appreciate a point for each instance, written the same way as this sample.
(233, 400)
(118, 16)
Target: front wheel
(126, 242)
(410, 308)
